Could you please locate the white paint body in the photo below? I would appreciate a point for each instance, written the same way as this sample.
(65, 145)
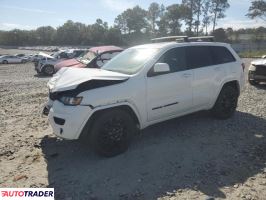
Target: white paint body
(194, 90)
(11, 59)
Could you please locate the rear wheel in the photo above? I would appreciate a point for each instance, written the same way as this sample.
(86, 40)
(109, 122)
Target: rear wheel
(5, 62)
(226, 103)
(252, 81)
(111, 132)
(48, 70)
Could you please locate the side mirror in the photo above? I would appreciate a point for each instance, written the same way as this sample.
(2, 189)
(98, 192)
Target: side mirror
(161, 68)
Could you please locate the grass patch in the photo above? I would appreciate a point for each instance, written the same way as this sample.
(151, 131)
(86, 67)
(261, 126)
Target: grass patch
(252, 54)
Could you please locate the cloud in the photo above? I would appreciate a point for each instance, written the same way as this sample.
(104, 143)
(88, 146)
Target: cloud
(118, 5)
(237, 24)
(10, 26)
(28, 9)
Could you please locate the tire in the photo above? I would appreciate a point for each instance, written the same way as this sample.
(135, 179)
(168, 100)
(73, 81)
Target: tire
(226, 103)
(252, 81)
(111, 132)
(48, 70)
(5, 62)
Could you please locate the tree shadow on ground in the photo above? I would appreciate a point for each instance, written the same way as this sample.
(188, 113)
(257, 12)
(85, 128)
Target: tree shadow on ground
(193, 152)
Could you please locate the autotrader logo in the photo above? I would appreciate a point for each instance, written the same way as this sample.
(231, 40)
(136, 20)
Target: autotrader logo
(27, 193)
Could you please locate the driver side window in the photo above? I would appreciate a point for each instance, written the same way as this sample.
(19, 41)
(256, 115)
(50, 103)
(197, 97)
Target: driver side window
(175, 58)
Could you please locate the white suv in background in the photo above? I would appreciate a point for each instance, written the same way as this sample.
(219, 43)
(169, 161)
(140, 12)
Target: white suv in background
(142, 86)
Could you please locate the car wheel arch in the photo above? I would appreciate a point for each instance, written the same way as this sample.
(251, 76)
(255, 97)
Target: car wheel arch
(97, 111)
(233, 83)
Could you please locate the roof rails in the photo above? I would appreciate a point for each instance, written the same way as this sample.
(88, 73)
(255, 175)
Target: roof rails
(201, 38)
(184, 39)
(171, 38)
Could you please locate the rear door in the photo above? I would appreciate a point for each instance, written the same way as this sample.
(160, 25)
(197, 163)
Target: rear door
(170, 94)
(207, 75)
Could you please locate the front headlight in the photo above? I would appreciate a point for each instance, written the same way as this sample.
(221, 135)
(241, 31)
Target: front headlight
(71, 101)
(252, 68)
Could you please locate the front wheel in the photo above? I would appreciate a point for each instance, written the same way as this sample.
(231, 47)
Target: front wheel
(5, 62)
(111, 132)
(48, 70)
(226, 103)
(252, 81)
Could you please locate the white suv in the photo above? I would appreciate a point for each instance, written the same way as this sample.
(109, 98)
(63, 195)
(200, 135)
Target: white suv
(142, 86)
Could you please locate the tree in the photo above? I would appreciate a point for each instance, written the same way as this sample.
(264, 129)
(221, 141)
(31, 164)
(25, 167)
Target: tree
(257, 9)
(220, 35)
(132, 20)
(172, 18)
(162, 23)
(206, 19)
(45, 35)
(188, 7)
(218, 8)
(198, 10)
(121, 23)
(154, 12)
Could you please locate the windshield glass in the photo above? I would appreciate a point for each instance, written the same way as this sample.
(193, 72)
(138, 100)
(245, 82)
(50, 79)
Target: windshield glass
(86, 58)
(130, 61)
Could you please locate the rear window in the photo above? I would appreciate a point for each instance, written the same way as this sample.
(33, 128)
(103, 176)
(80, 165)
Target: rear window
(203, 56)
(221, 55)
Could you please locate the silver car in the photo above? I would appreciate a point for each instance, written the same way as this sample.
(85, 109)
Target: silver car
(11, 59)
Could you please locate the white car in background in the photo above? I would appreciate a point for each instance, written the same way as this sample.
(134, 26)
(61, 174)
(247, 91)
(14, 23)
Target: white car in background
(11, 59)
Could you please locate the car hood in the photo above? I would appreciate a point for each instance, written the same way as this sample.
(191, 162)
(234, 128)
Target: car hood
(69, 78)
(259, 62)
(45, 55)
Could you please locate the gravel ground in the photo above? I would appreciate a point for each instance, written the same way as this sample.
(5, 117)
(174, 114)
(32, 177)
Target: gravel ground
(192, 157)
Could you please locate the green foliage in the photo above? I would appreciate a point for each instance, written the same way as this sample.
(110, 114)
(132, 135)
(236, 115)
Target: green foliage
(257, 9)
(252, 54)
(136, 25)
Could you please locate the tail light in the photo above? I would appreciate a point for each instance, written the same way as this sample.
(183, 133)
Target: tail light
(243, 66)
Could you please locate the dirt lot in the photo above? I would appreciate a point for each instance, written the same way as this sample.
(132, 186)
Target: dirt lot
(193, 157)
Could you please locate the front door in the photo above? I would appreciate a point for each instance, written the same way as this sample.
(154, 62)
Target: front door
(170, 94)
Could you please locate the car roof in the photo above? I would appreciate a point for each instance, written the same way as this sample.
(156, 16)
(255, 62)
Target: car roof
(162, 45)
(102, 49)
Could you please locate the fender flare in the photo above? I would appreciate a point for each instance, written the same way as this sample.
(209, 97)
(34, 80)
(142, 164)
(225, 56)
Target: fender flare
(87, 123)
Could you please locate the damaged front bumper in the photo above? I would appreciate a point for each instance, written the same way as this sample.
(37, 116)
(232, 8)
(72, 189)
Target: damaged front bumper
(66, 121)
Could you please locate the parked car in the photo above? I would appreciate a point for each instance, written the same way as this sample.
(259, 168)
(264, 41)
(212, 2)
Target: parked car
(46, 64)
(11, 59)
(257, 71)
(95, 57)
(142, 86)
(20, 55)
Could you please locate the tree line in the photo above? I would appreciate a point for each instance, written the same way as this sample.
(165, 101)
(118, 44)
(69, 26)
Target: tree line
(135, 25)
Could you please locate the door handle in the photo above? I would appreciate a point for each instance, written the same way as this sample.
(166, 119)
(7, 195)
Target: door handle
(186, 75)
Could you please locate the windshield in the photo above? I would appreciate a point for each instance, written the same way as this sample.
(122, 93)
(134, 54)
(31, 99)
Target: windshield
(130, 61)
(87, 57)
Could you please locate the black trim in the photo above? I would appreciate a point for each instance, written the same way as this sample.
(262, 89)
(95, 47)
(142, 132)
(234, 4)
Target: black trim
(59, 121)
(167, 105)
(88, 85)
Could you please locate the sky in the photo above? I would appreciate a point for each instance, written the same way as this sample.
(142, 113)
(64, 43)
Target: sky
(30, 14)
